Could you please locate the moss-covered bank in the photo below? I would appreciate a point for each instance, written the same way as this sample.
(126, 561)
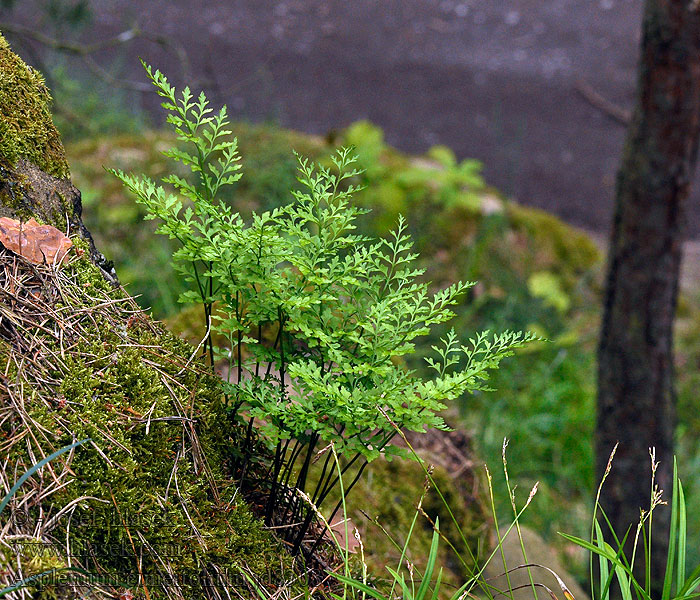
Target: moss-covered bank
(147, 504)
(148, 499)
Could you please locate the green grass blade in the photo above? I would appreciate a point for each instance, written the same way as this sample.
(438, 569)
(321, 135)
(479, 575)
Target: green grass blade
(646, 538)
(399, 578)
(438, 582)
(690, 586)
(605, 576)
(682, 525)
(261, 594)
(358, 585)
(622, 577)
(463, 592)
(34, 469)
(618, 543)
(687, 586)
(610, 555)
(672, 539)
(403, 553)
(430, 566)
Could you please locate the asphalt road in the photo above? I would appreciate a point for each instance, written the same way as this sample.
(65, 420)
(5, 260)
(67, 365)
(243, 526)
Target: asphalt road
(497, 80)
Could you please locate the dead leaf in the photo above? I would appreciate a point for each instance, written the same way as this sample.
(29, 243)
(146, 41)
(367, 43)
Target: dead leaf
(37, 243)
(338, 529)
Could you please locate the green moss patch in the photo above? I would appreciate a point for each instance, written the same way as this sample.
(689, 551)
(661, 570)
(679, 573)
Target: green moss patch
(26, 128)
(147, 504)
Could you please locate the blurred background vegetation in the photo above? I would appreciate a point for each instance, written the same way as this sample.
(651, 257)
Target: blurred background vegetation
(534, 271)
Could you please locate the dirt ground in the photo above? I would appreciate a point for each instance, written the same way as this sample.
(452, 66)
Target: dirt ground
(510, 82)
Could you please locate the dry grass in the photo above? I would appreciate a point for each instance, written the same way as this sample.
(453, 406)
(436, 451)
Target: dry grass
(49, 315)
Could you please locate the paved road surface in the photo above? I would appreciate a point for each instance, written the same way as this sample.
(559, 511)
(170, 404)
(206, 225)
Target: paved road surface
(493, 79)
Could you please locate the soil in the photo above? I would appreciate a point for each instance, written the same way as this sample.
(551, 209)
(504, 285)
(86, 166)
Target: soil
(498, 80)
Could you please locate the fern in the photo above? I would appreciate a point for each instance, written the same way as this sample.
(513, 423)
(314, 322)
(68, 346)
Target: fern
(317, 318)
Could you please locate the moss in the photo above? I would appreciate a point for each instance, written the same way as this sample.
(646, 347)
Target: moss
(87, 275)
(26, 129)
(555, 244)
(14, 190)
(154, 480)
(390, 494)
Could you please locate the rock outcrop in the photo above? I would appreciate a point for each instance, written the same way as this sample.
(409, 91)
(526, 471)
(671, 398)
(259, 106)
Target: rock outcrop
(34, 174)
(146, 507)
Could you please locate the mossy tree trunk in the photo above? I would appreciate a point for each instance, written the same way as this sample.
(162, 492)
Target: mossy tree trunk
(636, 405)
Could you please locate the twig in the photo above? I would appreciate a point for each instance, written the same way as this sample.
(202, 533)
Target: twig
(593, 97)
(86, 50)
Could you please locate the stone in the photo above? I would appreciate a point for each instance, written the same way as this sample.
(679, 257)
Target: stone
(540, 553)
(34, 174)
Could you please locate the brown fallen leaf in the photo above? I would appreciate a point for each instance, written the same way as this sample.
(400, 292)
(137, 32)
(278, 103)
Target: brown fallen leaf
(37, 243)
(338, 529)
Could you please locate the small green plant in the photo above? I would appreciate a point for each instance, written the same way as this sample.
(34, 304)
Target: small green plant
(23, 583)
(407, 583)
(317, 319)
(615, 566)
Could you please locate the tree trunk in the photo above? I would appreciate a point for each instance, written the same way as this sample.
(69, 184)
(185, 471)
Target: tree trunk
(636, 404)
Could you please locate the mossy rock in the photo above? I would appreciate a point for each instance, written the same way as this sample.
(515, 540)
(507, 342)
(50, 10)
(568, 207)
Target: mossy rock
(147, 503)
(34, 173)
(27, 130)
(391, 494)
(555, 244)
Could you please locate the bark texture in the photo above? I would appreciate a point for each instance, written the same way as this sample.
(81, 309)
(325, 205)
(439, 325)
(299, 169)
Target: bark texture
(635, 387)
